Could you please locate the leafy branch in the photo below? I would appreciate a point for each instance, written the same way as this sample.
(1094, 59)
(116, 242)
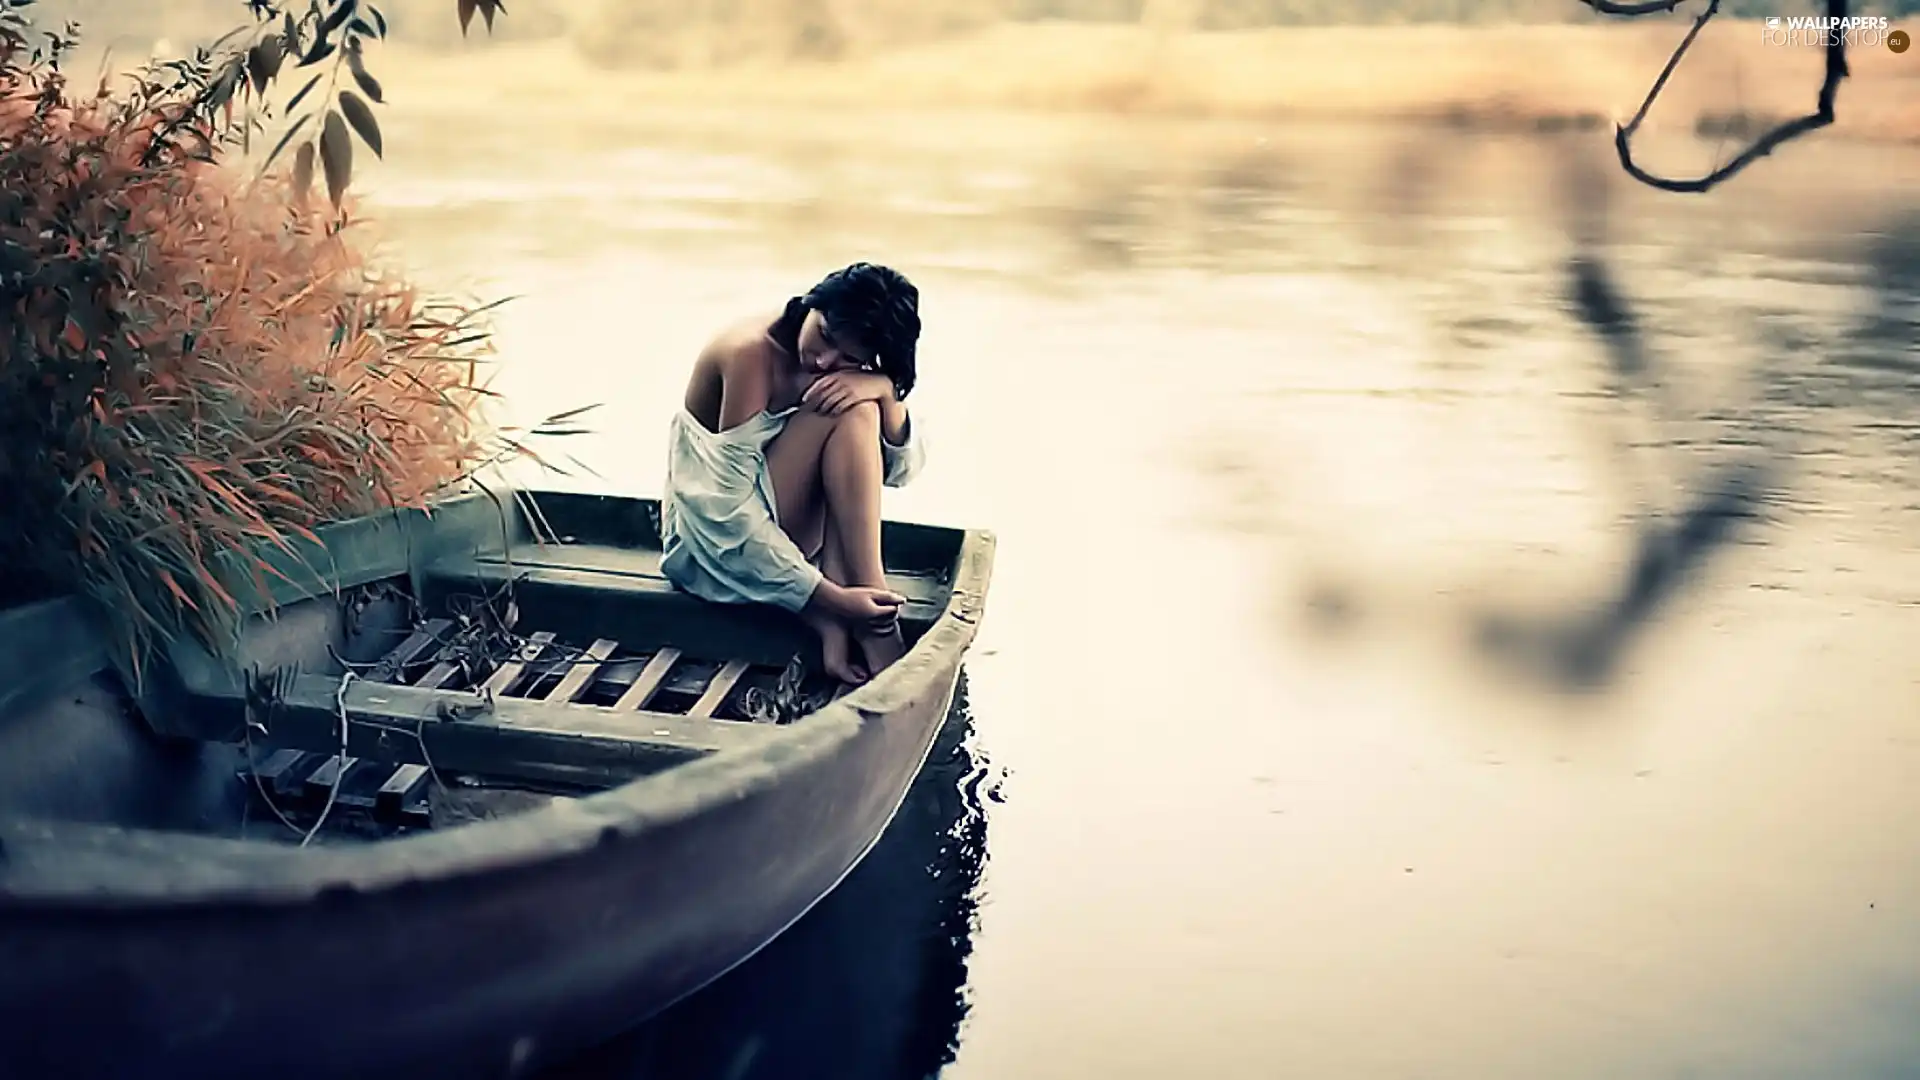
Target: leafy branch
(1766, 143)
(278, 47)
(193, 371)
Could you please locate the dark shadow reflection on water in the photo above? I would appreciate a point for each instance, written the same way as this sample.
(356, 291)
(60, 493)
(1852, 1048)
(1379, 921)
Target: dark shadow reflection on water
(1892, 259)
(870, 984)
(1701, 477)
(1669, 549)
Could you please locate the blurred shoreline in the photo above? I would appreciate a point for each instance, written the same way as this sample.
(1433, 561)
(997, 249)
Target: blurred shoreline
(1491, 78)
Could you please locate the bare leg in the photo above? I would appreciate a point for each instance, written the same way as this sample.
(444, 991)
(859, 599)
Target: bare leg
(836, 648)
(877, 650)
(793, 464)
(851, 472)
(826, 473)
(836, 638)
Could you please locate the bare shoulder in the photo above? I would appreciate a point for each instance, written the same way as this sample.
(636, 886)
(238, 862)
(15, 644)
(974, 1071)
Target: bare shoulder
(730, 379)
(739, 349)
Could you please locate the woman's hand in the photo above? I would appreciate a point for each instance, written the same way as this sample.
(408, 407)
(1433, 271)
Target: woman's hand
(872, 611)
(836, 393)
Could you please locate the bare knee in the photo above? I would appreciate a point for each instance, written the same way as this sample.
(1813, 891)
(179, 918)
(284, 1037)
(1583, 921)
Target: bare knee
(852, 453)
(860, 421)
(812, 429)
(804, 428)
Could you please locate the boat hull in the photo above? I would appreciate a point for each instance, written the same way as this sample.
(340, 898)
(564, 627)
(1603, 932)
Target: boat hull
(480, 976)
(130, 948)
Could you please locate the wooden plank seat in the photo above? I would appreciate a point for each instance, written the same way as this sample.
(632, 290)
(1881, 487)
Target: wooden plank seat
(609, 592)
(925, 592)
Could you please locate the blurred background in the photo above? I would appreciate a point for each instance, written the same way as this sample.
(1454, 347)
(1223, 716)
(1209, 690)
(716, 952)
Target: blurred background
(1453, 604)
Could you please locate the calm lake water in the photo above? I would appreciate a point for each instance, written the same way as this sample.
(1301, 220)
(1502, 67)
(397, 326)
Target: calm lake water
(1386, 674)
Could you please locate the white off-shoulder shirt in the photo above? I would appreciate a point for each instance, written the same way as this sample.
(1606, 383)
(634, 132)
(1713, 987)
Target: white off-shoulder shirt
(719, 524)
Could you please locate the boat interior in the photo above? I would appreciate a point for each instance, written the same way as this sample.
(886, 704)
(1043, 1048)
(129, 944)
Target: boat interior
(420, 672)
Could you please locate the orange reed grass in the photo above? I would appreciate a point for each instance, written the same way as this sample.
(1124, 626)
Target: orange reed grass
(194, 364)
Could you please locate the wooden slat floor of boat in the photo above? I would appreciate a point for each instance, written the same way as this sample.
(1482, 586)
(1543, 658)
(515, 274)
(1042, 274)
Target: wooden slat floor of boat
(647, 681)
(716, 692)
(583, 671)
(925, 593)
(300, 781)
(422, 642)
(599, 674)
(440, 674)
(508, 675)
(666, 681)
(586, 694)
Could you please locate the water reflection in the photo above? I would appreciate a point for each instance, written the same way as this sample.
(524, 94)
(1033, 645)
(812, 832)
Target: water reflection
(1892, 261)
(1220, 395)
(1582, 650)
(870, 985)
(1697, 463)
(1749, 476)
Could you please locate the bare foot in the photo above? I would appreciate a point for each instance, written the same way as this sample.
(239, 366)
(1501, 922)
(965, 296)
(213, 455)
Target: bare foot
(836, 651)
(882, 649)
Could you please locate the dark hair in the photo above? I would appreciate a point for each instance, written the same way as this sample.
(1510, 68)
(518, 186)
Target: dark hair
(872, 304)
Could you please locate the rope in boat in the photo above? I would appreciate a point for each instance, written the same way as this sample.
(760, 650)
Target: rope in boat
(483, 640)
(340, 762)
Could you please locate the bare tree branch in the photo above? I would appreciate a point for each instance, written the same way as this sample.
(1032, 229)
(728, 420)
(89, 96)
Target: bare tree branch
(1823, 115)
(1646, 7)
(1659, 84)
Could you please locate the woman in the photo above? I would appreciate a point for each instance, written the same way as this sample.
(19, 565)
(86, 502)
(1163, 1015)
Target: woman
(791, 427)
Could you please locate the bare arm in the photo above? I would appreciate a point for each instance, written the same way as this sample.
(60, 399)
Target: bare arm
(895, 422)
(902, 450)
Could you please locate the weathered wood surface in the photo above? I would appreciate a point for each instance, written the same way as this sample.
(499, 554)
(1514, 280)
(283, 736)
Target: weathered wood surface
(689, 679)
(919, 587)
(583, 671)
(407, 784)
(299, 781)
(548, 929)
(46, 646)
(648, 682)
(276, 773)
(513, 738)
(508, 675)
(644, 612)
(716, 692)
(439, 674)
(387, 545)
(417, 645)
(514, 725)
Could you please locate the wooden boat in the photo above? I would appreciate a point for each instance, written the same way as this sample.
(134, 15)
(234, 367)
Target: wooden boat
(380, 842)
(872, 984)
